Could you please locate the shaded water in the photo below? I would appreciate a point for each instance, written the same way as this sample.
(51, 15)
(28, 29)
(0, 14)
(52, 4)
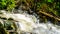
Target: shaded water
(29, 24)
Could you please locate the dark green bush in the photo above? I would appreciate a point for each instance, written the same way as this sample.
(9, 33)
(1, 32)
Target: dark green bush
(7, 4)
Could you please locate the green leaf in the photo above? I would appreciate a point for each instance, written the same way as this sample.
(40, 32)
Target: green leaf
(49, 0)
(3, 3)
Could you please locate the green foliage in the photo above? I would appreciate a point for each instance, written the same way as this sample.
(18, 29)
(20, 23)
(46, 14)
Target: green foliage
(7, 4)
(50, 1)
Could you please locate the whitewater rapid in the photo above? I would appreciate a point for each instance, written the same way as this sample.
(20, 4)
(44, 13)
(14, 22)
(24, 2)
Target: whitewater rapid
(28, 24)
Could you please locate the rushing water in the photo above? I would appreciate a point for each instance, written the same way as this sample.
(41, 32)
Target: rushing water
(29, 24)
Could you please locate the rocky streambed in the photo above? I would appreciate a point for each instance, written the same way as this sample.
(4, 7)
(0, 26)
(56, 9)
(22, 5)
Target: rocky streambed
(28, 24)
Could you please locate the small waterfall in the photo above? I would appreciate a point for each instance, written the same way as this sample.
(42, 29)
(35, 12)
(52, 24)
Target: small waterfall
(29, 24)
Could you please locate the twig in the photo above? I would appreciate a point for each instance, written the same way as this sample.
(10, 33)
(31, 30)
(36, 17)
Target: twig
(50, 15)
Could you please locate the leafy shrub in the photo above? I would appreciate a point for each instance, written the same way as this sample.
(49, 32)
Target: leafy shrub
(7, 4)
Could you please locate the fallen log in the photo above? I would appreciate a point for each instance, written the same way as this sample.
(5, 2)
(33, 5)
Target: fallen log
(49, 15)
